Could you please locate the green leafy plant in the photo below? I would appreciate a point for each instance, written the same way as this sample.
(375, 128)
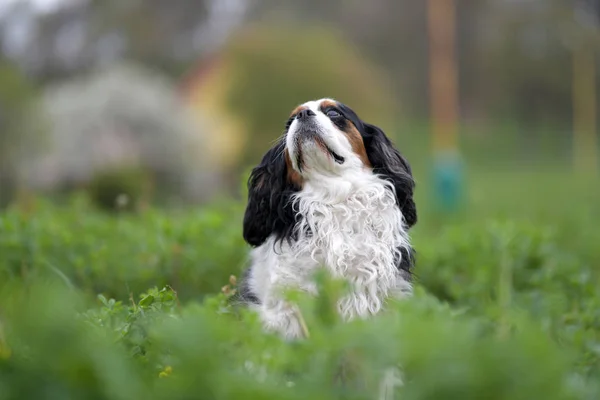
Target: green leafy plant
(504, 308)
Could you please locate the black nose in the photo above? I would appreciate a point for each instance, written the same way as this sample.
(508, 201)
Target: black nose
(305, 114)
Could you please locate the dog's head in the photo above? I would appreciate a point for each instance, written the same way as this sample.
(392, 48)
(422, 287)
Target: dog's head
(321, 138)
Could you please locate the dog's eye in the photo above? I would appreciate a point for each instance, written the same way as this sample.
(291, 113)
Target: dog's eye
(333, 114)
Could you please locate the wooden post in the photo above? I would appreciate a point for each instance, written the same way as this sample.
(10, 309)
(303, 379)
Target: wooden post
(443, 76)
(585, 143)
(443, 73)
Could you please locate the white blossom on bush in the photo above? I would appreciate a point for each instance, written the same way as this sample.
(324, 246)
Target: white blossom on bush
(122, 116)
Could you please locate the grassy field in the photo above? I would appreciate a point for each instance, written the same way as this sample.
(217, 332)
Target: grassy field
(507, 304)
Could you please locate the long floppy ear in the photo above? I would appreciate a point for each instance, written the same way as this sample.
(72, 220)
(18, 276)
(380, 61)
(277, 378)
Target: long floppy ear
(269, 209)
(389, 163)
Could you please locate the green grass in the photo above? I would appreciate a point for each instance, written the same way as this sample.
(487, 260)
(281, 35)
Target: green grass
(132, 306)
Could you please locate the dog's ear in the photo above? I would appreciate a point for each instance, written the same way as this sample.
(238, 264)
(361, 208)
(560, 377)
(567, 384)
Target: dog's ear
(269, 209)
(389, 163)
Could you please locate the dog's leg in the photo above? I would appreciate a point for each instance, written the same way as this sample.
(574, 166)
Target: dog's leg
(392, 379)
(279, 316)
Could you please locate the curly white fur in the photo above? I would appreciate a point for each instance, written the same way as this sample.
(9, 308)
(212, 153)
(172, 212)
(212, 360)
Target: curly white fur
(351, 226)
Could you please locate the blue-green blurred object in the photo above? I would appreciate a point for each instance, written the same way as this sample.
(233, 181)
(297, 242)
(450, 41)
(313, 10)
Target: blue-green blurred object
(448, 180)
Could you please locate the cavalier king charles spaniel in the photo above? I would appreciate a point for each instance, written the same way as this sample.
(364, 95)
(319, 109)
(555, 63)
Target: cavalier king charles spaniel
(332, 192)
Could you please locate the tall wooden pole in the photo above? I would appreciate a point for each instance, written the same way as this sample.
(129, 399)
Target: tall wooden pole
(443, 73)
(443, 76)
(585, 143)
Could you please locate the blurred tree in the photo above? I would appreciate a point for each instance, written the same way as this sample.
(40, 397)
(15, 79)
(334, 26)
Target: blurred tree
(527, 59)
(389, 33)
(84, 34)
(153, 32)
(276, 68)
(16, 98)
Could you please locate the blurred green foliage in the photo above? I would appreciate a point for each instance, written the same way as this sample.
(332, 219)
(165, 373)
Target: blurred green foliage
(122, 189)
(274, 69)
(194, 251)
(506, 307)
(16, 90)
(16, 97)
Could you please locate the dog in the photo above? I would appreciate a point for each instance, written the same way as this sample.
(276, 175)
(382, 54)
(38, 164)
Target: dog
(332, 192)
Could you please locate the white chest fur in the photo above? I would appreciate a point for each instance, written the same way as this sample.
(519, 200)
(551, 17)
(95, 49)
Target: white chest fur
(352, 227)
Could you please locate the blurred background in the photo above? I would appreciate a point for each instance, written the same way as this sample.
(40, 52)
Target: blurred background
(170, 102)
(127, 132)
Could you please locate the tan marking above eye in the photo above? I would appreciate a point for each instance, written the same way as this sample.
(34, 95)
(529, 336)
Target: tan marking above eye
(297, 110)
(326, 104)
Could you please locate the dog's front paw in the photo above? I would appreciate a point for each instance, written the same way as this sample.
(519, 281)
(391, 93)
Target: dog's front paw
(285, 320)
